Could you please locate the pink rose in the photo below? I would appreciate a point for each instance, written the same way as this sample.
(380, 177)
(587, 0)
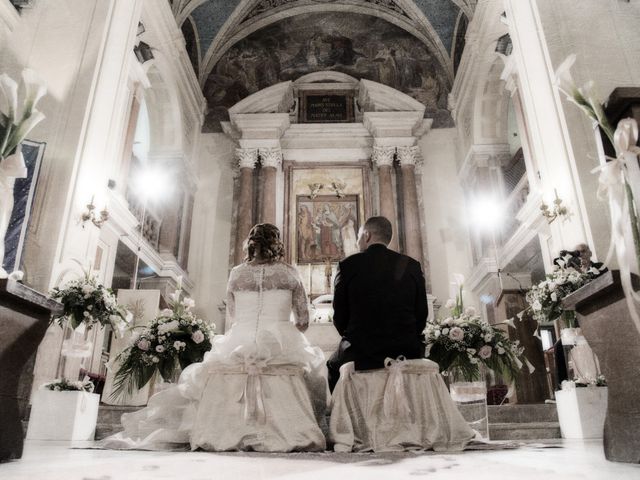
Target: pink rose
(197, 336)
(485, 352)
(144, 344)
(456, 334)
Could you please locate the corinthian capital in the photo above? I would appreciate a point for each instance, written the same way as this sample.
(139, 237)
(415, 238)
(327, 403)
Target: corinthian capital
(383, 156)
(409, 156)
(271, 157)
(247, 157)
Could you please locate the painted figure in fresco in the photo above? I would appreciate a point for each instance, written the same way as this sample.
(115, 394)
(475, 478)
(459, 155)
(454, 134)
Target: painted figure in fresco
(341, 50)
(348, 231)
(330, 241)
(306, 233)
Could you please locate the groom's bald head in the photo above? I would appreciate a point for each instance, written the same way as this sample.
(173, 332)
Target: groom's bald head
(375, 230)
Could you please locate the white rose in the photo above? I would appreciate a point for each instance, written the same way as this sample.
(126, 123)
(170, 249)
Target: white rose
(456, 334)
(167, 312)
(500, 351)
(155, 359)
(450, 303)
(537, 306)
(85, 313)
(178, 345)
(554, 297)
(88, 289)
(474, 360)
(488, 337)
(189, 302)
(144, 344)
(445, 331)
(485, 352)
(436, 333)
(552, 286)
(197, 336)
(470, 311)
(159, 349)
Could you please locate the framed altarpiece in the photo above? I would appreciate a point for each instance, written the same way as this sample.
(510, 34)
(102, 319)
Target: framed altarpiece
(325, 205)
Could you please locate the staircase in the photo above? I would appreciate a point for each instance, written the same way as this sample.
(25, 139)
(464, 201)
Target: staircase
(523, 422)
(506, 422)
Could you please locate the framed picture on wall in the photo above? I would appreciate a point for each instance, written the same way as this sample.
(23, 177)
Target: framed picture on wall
(327, 227)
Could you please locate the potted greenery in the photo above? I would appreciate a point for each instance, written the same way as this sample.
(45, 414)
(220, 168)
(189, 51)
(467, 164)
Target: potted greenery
(464, 345)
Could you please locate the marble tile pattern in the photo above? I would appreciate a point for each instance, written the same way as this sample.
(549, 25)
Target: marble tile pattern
(572, 461)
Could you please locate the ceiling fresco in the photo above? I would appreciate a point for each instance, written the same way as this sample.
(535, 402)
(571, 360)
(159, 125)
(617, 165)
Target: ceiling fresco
(364, 46)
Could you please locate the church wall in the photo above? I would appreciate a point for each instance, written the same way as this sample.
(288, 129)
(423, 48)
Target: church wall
(212, 220)
(446, 231)
(607, 52)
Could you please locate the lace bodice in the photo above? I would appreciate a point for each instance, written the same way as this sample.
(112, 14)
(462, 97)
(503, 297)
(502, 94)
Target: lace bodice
(270, 291)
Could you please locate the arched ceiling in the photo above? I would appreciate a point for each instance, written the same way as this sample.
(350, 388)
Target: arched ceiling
(236, 46)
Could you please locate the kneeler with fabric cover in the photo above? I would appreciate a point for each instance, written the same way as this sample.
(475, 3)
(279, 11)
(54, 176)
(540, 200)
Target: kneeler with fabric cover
(404, 406)
(265, 408)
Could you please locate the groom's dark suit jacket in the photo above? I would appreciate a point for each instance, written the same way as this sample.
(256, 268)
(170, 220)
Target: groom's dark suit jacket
(380, 306)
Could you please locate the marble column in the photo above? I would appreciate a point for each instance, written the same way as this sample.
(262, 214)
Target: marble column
(271, 159)
(408, 157)
(383, 158)
(247, 158)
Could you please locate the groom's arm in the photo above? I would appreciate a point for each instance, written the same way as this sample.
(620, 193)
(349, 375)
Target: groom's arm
(422, 308)
(340, 302)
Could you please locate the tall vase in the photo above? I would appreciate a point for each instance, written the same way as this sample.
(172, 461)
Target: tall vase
(11, 167)
(470, 396)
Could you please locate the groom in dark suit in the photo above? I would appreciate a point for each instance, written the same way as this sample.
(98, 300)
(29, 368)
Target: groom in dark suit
(379, 303)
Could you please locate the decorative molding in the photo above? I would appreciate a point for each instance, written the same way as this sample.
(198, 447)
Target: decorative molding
(270, 157)
(409, 156)
(260, 126)
(247, 157)
(393, 124)
(383, 156)
(376, 97)
(277, 98)
(483, 156)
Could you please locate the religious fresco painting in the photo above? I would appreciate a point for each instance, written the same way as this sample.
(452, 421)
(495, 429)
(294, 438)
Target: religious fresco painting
(358, 45)
(327, 228)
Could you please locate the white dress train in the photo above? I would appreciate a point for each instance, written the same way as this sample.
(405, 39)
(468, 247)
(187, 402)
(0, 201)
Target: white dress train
(261, 387)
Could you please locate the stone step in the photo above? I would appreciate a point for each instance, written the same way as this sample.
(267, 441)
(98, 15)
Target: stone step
(533, 413)
(506, 422)
(524, 431)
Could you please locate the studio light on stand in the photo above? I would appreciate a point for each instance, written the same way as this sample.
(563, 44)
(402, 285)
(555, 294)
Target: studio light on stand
(150, 183)
(487, 214)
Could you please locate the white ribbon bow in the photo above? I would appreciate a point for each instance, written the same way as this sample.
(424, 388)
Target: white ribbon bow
(254, 411)
(395, 403)
(615, 176)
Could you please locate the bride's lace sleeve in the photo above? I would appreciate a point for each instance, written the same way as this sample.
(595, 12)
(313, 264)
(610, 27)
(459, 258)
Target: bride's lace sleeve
(299, 302)
(231, 301)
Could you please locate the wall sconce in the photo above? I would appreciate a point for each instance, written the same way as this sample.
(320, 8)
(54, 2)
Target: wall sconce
(558, 209)
(90, 215)
(143, 52)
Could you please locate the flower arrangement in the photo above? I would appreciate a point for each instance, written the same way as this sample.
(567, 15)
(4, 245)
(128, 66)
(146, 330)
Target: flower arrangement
(545, 298)
(63, 385)
(88, 302)
(175, 337)
(14, 125)
(463, 342)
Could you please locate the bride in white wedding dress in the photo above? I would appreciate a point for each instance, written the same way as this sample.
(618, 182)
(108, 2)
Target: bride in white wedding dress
(261, 387)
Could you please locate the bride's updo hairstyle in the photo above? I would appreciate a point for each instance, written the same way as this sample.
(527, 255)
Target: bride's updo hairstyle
(265, 239)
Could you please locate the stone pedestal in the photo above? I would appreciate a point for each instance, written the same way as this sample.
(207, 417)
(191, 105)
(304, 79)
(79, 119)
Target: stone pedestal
(63, 416)
(581, 412)
(24, 319)
(607, 325)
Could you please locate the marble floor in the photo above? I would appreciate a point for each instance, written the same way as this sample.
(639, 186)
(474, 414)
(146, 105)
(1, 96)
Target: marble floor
(565, 460)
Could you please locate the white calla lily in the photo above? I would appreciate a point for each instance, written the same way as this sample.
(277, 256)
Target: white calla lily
(35, 89)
